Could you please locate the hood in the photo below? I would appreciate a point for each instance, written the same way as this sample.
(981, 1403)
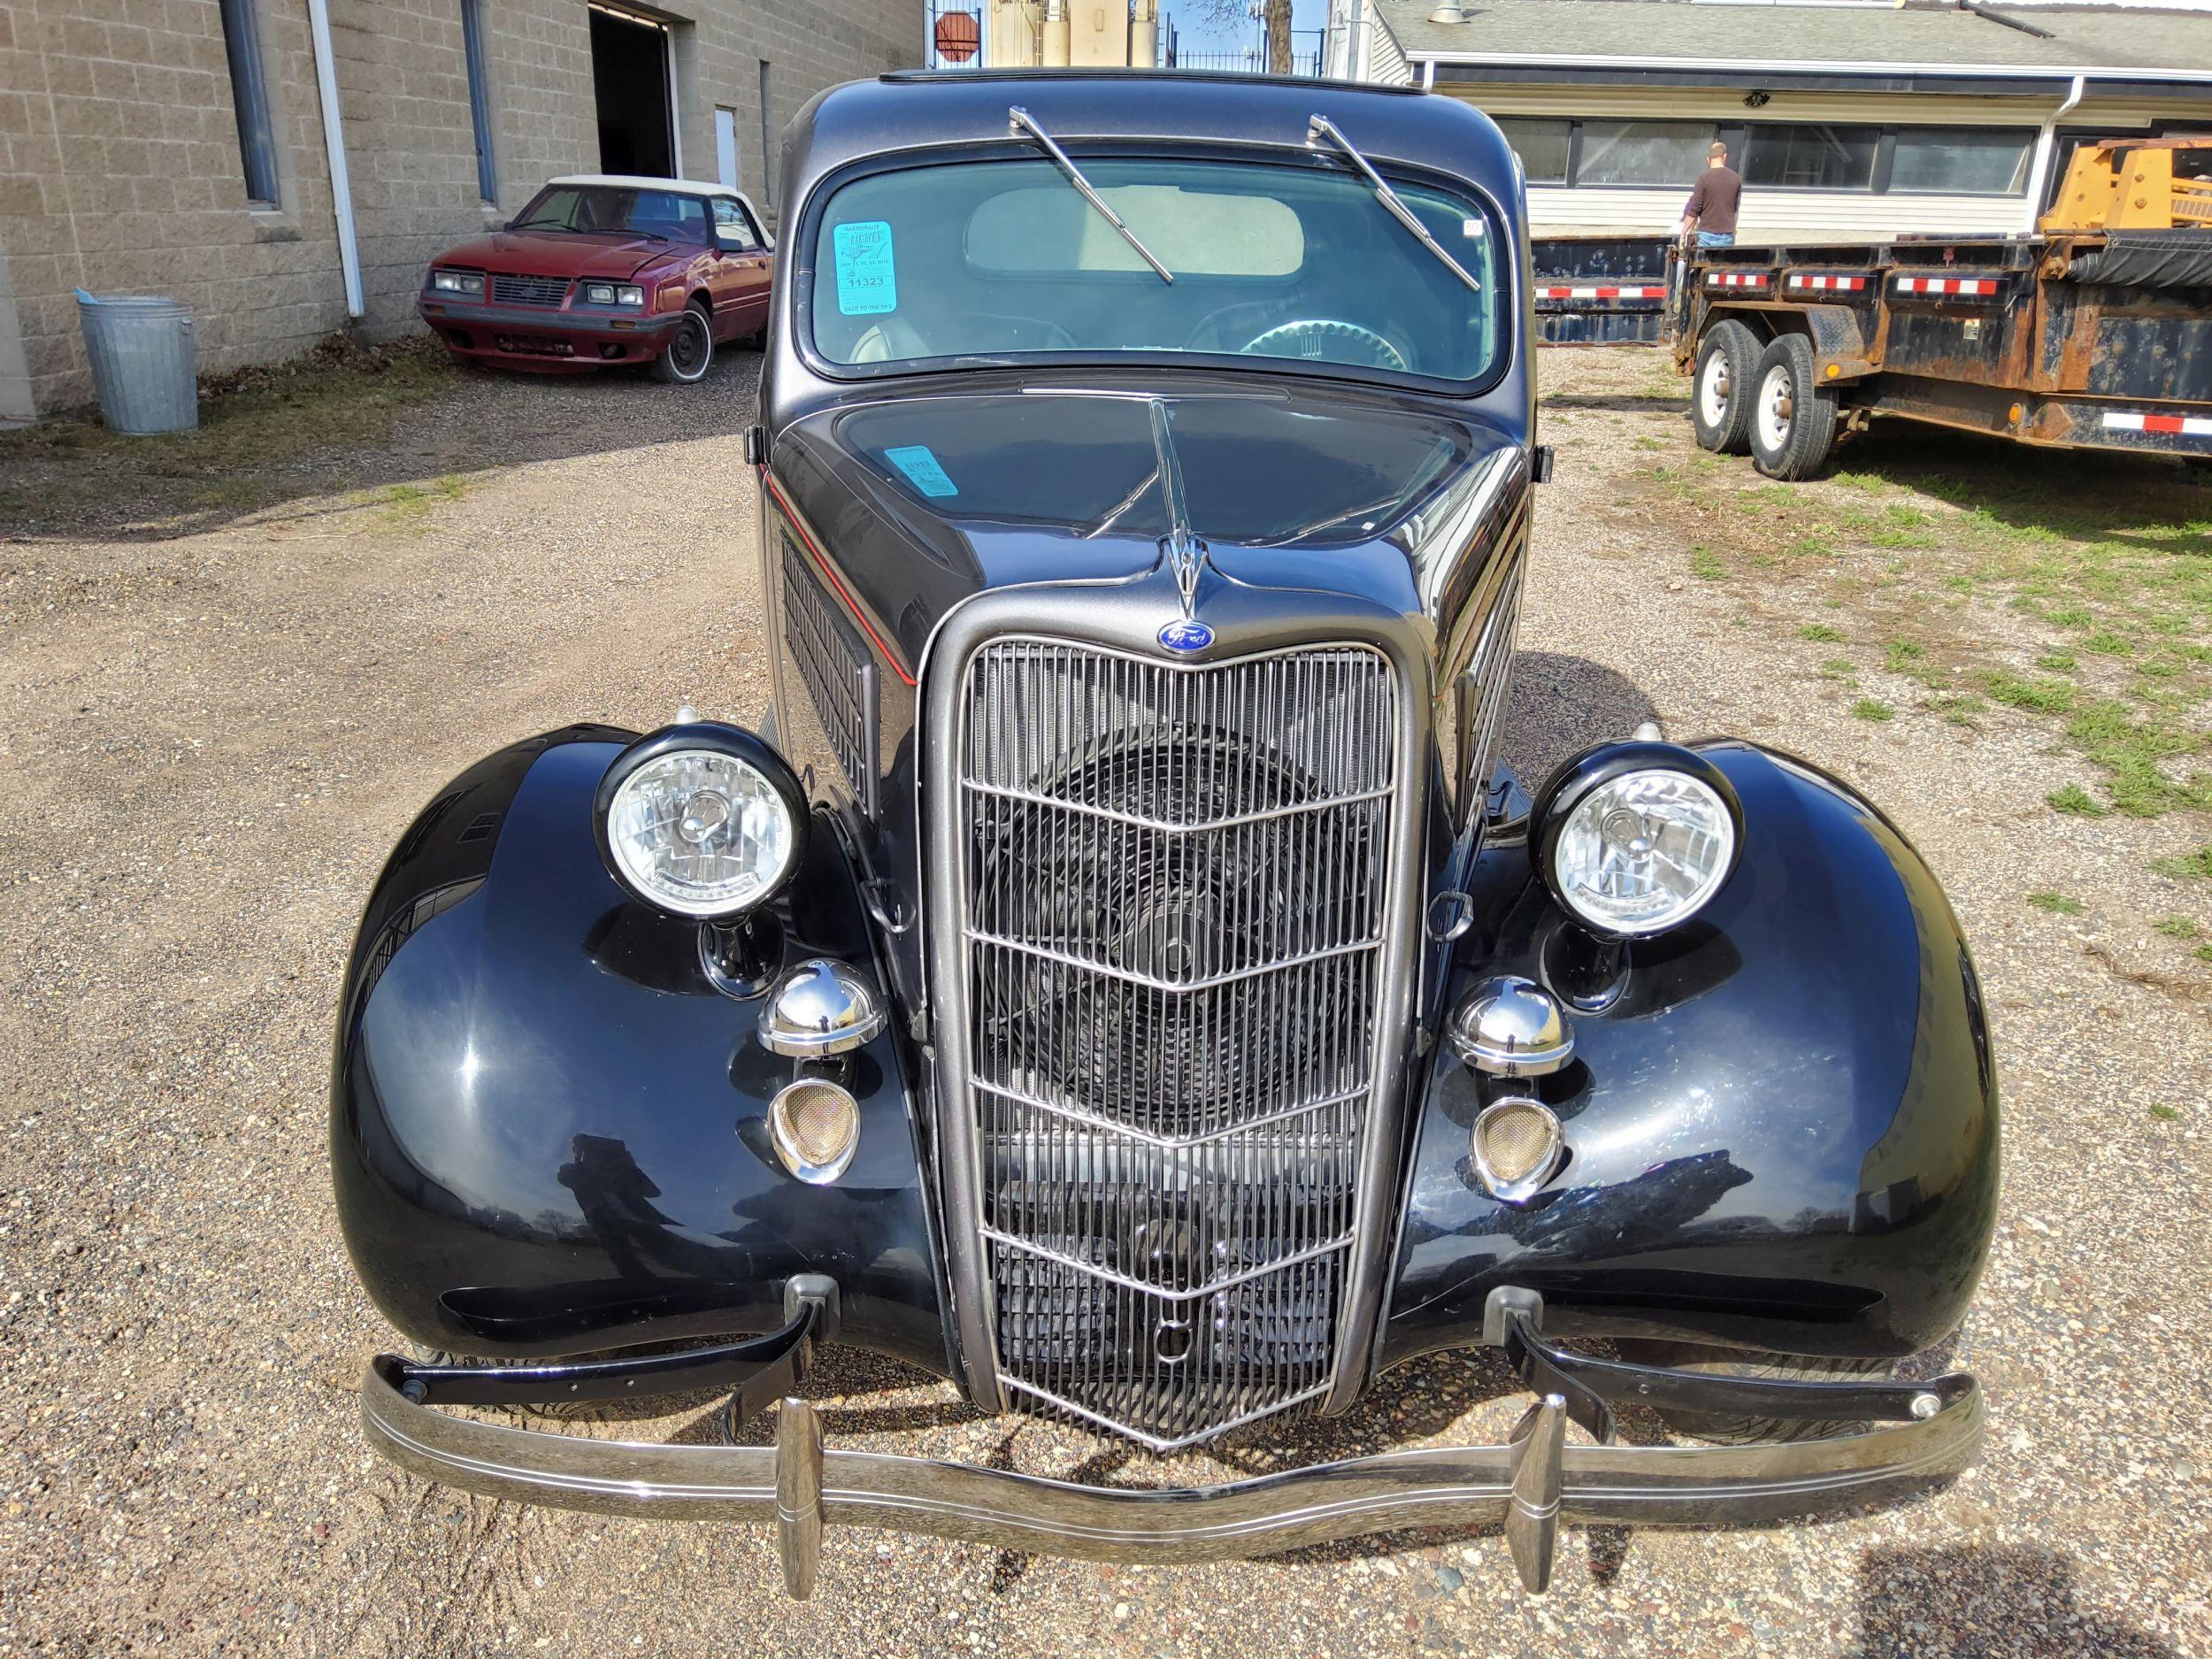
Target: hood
(927, 499)
(557, 253)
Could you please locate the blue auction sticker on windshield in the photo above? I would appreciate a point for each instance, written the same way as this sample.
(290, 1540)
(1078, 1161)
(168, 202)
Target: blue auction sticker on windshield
(922, 470)
(866, 283)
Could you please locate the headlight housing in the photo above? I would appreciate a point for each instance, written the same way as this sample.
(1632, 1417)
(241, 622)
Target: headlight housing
(1635, 838)
(469, 284)
(613, 294)
(701, 819)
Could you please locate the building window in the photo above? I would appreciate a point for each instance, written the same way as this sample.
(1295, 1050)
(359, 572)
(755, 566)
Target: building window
(1971, 160)
(479, 101)
(1777, 155)
(1643, 152)
(1786, 157)
(1541, 145)
(249, 94)
(767, 143)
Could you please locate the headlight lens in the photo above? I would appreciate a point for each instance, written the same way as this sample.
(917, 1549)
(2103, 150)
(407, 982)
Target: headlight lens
(599, 293)
(1642, 851)
(629, 293)
(469, 282)
(701, 832)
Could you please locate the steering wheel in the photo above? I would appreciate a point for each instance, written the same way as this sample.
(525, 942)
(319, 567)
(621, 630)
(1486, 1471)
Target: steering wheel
(1311, 338)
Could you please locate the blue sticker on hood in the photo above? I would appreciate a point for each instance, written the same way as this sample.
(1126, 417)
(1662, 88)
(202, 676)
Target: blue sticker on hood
(1186, 635)
(867, 282)
(922, 470)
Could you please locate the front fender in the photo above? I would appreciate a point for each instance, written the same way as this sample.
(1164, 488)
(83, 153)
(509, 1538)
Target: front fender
(549, 1131)
(1783, 1133)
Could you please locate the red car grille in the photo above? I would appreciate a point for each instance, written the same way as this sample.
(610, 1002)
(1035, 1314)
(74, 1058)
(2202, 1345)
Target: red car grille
(528, 290)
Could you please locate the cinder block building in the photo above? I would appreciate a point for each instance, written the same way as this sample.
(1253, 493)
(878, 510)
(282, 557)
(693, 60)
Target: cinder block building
(285, 166)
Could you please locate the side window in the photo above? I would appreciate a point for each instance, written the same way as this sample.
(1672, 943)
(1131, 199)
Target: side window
(732, 228)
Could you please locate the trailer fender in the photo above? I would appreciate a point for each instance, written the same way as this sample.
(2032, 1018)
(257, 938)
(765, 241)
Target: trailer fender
(1839, 352)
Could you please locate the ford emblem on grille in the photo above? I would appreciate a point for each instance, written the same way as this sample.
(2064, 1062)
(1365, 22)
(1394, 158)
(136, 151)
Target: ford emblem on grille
(1183, 635)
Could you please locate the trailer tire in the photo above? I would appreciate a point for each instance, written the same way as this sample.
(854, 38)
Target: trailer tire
(1793, 416)
(1720, 392)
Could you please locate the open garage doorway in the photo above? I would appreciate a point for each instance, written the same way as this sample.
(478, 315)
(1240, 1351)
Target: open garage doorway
(630, 80)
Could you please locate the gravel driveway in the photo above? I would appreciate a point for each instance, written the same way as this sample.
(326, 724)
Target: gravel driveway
(208, 743)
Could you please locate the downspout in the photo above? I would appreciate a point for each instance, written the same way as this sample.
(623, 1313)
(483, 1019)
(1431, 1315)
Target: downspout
(2046, 144)
(334, 148)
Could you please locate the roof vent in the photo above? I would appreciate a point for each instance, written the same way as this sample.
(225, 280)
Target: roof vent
(1448, 12)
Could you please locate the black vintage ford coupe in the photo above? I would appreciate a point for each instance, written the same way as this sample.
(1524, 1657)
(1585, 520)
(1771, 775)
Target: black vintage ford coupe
(1120, 973)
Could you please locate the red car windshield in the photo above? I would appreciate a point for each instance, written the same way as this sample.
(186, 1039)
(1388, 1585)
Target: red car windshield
(615, 210)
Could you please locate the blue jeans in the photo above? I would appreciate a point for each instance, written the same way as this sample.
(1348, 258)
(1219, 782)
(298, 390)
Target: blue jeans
(1716, 239)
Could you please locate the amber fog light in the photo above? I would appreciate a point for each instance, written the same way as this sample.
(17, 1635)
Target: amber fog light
(815, 1125)
(1516, 1147)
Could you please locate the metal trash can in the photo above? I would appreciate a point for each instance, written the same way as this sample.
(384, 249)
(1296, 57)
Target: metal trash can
(143, 363)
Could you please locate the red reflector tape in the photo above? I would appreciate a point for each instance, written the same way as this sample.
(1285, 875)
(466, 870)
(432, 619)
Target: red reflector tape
(1946, 285)
(1735, 278)
(1640, 291)
(1829, 284)
(2190, 425)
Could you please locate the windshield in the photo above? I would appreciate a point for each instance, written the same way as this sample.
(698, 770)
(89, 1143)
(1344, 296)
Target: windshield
(1008, 258)
(621, 209)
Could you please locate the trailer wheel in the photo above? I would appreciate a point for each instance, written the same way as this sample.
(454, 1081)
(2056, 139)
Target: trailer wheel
(1720, 404)
(1793, 416)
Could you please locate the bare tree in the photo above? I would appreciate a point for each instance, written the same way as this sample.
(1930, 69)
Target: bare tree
(1276, 14)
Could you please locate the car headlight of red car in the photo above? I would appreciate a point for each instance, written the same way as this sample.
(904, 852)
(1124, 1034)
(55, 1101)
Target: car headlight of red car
(468, 284)
(613, 294)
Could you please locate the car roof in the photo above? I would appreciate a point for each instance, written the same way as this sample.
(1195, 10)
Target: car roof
(639, 181)
(909, 110)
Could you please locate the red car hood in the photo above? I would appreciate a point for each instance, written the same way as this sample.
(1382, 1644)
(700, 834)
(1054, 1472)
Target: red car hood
(555, 253)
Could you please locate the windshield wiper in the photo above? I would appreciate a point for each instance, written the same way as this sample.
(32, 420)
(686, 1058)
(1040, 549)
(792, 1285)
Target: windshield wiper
(1322, 126)
(1020, 121)
(586, 230)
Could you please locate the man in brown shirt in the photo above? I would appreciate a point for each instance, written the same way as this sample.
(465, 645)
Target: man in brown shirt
(1711, 209)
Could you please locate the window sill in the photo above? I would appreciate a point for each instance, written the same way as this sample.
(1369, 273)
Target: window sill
(274, 224)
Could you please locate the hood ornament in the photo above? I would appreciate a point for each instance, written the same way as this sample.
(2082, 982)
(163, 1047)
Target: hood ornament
(1185, 553)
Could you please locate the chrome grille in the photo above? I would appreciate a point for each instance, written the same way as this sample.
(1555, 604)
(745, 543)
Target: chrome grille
(528, 290)
(1177, 885)
(836, 670)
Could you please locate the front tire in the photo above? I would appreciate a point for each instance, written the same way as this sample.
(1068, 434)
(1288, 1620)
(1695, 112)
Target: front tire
(1793, 416)
(690, 352)
(1720, 398)
(1736, 1429)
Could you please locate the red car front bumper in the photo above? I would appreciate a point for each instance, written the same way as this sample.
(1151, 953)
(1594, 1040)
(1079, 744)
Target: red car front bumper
(526, 337)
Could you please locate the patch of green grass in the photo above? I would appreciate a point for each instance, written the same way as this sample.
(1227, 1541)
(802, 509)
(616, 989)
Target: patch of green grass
(1960, 708)
(1904, 657)
(1706, 565)
(2039, 697)
(1866, 481)
(1907, 518)
(2131, 750)
(2076, 800)
(1872, 709)
(2106, 643)
(1812, 547)
(2057, 662)
(1645, 441)
(2177, 926)
(1836, 668)
(2069, 615)
(1912, 540)
(1820, 632)
(2202, 953)
(2191, 866)
(2056, 903)
(2164, 1114)
(407, 506)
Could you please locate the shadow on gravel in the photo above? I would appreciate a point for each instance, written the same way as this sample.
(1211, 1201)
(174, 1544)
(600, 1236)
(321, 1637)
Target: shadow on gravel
(1561, 705)
(1985, 1604)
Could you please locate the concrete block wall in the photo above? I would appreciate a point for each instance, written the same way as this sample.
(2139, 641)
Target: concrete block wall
(119, 168)
(119, 172)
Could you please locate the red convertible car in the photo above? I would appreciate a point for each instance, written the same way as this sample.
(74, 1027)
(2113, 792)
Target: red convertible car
(602, 269)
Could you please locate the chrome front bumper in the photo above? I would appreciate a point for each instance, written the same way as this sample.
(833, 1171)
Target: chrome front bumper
(1529, 1485)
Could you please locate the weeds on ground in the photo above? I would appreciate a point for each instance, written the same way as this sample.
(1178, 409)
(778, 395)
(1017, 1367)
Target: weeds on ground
(407, 506)
(1872, 709)
(2056, 903)
(2192, 867)
(2177, 926)
(1821, 631)
(2164, 1114)
(2076, 800)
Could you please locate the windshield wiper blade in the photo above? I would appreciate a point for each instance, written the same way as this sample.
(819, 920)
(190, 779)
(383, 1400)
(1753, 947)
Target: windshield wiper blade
(1321, 127)
(1020, 121)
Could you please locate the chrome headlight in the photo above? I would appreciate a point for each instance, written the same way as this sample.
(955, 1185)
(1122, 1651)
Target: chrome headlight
(467, 283)
(702, 819)
(628, 294)
(1636, 838)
